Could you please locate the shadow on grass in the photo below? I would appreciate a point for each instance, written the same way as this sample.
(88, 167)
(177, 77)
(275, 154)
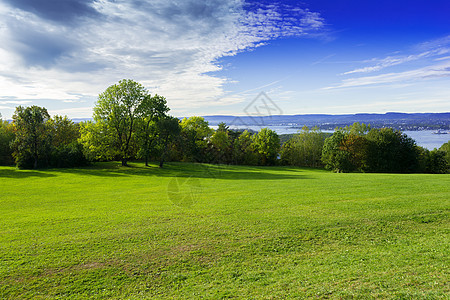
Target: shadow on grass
(188, 170)
(194, 170)
(13, 173)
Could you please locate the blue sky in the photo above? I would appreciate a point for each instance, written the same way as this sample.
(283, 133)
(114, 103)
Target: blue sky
(214, 57)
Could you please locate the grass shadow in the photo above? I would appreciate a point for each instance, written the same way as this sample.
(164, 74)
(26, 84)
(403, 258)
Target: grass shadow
(195, 170)
(14, 173)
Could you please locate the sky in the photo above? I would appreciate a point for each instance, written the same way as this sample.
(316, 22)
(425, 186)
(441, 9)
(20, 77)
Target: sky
(214, 57)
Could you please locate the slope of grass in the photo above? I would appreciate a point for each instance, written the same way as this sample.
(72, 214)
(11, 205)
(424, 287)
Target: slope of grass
(201, 231)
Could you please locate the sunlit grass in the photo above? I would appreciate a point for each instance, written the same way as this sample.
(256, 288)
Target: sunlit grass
(192, 231)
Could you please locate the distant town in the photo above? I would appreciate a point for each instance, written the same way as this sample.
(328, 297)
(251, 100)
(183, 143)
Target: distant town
(439, 122)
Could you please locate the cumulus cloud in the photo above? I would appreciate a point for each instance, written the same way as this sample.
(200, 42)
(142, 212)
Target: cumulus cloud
(67, 50)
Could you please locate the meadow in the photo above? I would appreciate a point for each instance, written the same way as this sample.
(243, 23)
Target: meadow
(191, 231)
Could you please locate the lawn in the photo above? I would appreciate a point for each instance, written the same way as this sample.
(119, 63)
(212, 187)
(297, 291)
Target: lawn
(192, 231)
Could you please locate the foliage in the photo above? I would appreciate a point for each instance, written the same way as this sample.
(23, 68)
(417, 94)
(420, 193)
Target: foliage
(446, 149)
(193, 141)
(358, 148)
(346, 149)
(266, 143)
(68, 156)
(168, 130)
(147, 126)
(119, 108)
(6, 137)
(337, 153)
(304, 148)
(63, 131)
(221, 146)
(390, 151)
(433, 162)
(359, 129)
(32, 137)
(66, 151)
(96, 139)
(243, 150)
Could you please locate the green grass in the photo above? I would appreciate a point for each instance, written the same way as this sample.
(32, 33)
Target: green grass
(201, 231)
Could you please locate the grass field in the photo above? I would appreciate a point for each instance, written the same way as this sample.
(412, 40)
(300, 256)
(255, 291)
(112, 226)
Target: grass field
(201, 231)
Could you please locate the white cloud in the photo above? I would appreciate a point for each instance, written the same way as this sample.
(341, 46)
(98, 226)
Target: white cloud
(172, 47)
(434, 71)
(429, 49)
(397, 60)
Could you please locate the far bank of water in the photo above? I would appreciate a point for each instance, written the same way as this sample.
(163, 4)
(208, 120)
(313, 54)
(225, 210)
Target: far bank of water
(424, 138)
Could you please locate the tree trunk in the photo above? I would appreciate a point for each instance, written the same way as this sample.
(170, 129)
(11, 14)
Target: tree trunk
(161, 161)
(146, 160)
(124, 162)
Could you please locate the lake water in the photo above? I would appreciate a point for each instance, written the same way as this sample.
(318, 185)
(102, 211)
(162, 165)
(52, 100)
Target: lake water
(424, 138)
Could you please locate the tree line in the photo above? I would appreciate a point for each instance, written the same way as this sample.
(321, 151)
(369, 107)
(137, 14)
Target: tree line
(360, 148)
(131, 124)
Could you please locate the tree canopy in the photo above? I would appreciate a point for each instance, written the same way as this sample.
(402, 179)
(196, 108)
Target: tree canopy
(32, 137)
(120, 108)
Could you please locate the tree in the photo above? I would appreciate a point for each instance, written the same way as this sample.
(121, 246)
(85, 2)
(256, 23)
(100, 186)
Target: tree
(243, 151)
(266, 144)
(168, 129)
(67, 151)
(63, 130)
(147, 128)
(32, 141)
(222, 127)
(391, 151)
(96, 139)
(304, 148)
(120, 107)
(6, 137)
(221, 146)
(433, 161)
(359, 129)
(346, 149)
(335, 157)
(446, 149)
(195, 132)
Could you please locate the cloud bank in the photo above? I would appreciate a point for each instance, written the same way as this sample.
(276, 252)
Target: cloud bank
(72, 50)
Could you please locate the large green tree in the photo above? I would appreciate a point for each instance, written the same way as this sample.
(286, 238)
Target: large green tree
(119, 108)
(334, 156)
(266, 143)
(346, 149)
(147, 129)
(391, 151)
(168, 129)
(32, 136)
(193, 141)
